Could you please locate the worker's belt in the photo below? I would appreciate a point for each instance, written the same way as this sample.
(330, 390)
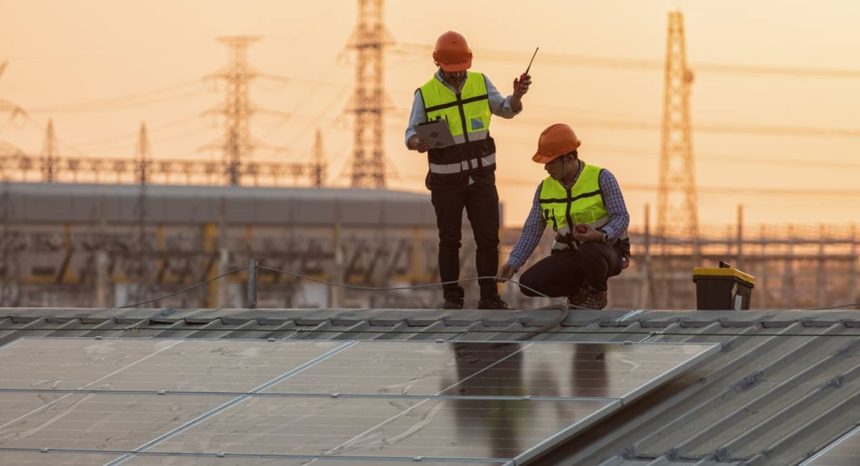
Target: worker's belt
(465, 165)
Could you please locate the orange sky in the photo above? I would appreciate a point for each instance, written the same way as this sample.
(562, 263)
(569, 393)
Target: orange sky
(65, 57)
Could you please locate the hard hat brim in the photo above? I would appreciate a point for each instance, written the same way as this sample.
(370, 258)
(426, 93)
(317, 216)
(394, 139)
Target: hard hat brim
(455, 67)
(539, 158)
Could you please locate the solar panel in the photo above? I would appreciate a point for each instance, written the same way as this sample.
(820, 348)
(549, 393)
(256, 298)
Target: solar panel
(397, 368)
(37, 458)
(612, 370)
(843, 452)
(175, 365)
(280, 402)
(95, 421)
(385, 427)
(66, 458)
(69, 362)
(18, 405)
(602, 370)
(280, 461)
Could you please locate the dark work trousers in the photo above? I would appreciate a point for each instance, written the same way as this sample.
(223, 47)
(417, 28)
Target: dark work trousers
(564, 273)
(481, 201)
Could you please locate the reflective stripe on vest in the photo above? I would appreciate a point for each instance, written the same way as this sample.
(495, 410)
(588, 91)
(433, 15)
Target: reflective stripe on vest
(583, 204)
(464, 166)
(467, 114)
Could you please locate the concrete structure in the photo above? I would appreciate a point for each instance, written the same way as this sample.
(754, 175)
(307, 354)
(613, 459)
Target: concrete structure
(111, 245)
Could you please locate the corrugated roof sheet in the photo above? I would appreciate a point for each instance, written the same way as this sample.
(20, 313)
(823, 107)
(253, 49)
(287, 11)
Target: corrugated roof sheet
(785, 385)
(95, 203)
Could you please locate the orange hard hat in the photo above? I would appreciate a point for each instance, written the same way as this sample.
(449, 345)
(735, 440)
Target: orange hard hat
(452, 52)
(555, 141)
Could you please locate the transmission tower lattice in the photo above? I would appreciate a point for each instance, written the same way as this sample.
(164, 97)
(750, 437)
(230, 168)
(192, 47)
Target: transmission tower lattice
(236, 146)
(676, 198)
(369, 40)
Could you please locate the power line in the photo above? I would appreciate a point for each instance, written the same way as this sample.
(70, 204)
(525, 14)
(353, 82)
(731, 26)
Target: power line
(711, 156)
(125, 137)
(713, 127)
(646, 124)
(42, 128)
(561, 59)
(849, 194)
(749, 158)
(121, 101)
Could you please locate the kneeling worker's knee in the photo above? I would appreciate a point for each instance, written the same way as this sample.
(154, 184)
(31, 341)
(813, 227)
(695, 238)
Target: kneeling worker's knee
(529, 286)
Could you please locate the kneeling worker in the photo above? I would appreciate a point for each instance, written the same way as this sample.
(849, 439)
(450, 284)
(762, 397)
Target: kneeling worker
(586, 209)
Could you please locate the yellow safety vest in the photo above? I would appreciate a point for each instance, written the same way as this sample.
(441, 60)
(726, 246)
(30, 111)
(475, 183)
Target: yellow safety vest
(582, 204)
(467, 114)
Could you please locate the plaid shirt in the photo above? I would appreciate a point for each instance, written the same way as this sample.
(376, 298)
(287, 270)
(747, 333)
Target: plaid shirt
(535, 224)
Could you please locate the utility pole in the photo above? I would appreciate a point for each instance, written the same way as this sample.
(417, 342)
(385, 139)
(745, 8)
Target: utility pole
(101, 258)
(369, 39)
(142, 173)
(237, 110)
(319, 165)
(50, 159)
(677, 210)
(7, 274)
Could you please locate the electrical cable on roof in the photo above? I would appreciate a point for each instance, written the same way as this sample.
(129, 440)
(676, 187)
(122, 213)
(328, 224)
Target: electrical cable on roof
(393, 288)
(563, 314)
(341, 285)
(564, 308)
(186, 289)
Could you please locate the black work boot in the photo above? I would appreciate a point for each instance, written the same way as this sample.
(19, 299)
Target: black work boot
(589, 297)
(494, 302)
(453, 298)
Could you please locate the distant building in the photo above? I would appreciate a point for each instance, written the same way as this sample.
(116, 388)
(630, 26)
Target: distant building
(112, 245)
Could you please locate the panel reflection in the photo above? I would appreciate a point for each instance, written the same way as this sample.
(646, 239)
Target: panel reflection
(593, 370)
(503, 417)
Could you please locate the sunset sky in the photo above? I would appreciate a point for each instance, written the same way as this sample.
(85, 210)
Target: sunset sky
(100, 67)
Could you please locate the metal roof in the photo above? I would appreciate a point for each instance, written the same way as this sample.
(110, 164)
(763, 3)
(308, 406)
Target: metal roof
(96, 203)
(88, 189)
(785, 385)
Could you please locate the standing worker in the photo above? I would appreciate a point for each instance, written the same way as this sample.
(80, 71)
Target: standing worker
(462, 175)
(586, 209)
